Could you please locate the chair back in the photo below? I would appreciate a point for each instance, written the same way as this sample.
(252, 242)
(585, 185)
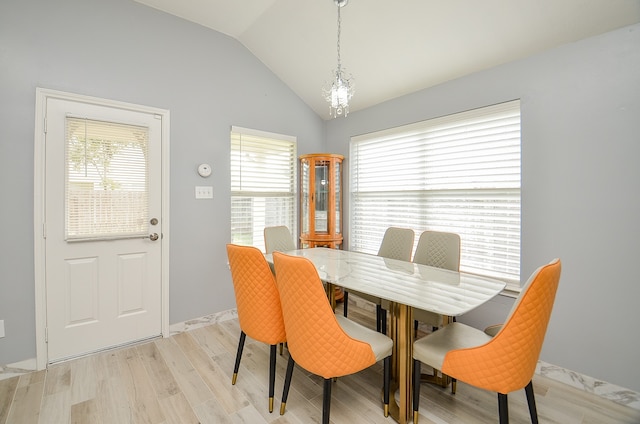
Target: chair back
(508, 361)
(314, 338)
(397, 243)
(438, 249)
(257, 298)
(278, 239)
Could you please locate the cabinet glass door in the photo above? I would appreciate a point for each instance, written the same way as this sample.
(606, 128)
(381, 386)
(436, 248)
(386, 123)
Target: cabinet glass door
(337, 187)
(322, 196)
(305, 180)
(321, 200)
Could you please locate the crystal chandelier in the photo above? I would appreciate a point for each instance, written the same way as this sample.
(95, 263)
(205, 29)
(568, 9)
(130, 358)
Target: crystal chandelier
(339, 90)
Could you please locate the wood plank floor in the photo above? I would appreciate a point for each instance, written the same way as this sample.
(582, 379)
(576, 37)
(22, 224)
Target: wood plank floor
(187, 379)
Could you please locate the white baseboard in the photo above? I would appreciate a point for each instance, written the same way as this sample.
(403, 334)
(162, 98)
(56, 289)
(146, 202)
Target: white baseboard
(18, 368)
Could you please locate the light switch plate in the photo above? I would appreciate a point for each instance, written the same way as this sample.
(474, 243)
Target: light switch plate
(1, 328)
(204, 192)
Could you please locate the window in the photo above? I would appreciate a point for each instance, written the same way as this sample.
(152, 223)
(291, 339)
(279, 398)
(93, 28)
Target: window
(263, 184)
(459, 173)
(106, 182)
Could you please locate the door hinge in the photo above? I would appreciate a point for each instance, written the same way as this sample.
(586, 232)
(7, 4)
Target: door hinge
(45, 124)
(46, 334)
(44, 230)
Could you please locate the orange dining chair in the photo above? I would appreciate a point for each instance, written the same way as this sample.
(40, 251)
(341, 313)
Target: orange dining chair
(258, 302)
(503, 363)
(318, 340)
(397, 243)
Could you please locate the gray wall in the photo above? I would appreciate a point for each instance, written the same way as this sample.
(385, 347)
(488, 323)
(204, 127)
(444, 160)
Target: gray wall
(580, 188)
(580, 125)
(121, 50)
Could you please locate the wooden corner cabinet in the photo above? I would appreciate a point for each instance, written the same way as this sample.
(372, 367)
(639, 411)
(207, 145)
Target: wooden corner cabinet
(321, 200)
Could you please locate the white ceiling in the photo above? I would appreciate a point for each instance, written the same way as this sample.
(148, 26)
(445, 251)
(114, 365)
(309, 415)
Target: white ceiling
(396, 47)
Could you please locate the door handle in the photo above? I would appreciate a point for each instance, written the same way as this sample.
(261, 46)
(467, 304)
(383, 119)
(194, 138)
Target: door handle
(153, 236)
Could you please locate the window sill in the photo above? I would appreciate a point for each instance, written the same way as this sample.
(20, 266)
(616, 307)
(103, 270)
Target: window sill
(511, 291)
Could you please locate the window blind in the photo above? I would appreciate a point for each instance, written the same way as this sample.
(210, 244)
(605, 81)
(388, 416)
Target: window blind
(459, 173)
(263, 184)
(106, 182)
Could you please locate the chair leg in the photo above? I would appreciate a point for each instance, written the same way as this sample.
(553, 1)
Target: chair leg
(345, 301)
(243, 336)
(326, 400)
(503, 408)
(272, 375)
(287, 383)
(387, 381)
(383, 319)
(378, 318)
(415, 328)
(416, 390)
(531, 400)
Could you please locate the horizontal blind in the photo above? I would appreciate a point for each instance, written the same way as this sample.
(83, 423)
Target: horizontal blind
(459, 173)
(263, 184)
(106, 182)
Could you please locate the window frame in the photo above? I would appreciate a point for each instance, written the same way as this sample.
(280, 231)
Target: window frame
(270, 180)
(401, 194)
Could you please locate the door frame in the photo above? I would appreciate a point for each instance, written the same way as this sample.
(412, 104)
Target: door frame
(42, 95)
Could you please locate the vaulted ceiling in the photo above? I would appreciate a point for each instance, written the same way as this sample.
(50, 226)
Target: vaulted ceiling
(396, 47)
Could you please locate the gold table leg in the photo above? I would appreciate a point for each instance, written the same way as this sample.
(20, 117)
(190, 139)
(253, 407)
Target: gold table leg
(402, 362)
(331, 294)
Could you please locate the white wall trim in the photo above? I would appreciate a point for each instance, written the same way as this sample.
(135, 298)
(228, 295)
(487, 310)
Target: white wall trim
(588, 384)
(192, 324)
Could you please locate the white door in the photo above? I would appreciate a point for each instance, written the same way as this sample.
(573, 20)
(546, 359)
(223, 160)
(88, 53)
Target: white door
(103, 227)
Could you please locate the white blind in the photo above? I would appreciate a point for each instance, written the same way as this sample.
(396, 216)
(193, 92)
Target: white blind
(263, 184)
(459, 173)
(106, 184)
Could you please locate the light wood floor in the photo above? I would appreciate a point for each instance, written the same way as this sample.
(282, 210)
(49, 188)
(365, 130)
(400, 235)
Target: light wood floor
(187, 379)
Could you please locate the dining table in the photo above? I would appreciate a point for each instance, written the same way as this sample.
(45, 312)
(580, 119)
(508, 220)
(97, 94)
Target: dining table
(405, 285)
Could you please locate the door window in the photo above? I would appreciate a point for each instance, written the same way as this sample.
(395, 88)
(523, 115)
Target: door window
(106, 186)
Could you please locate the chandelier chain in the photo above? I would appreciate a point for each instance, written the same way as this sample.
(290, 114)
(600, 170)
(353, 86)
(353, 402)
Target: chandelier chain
(339, 30)
(339, 89)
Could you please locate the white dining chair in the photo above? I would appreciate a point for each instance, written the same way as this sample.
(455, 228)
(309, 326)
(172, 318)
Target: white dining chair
(441, 250)
(397, 243)
(278, 239)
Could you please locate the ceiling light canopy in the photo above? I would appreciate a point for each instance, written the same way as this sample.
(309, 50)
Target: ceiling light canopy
(339, 90)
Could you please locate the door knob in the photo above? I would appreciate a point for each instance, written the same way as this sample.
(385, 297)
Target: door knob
(153, 236)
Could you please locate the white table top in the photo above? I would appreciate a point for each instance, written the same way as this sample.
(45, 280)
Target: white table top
(420, 286)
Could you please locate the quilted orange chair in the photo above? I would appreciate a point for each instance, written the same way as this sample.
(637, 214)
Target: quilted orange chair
(319, 341)
(503, 363)
(258, 302)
